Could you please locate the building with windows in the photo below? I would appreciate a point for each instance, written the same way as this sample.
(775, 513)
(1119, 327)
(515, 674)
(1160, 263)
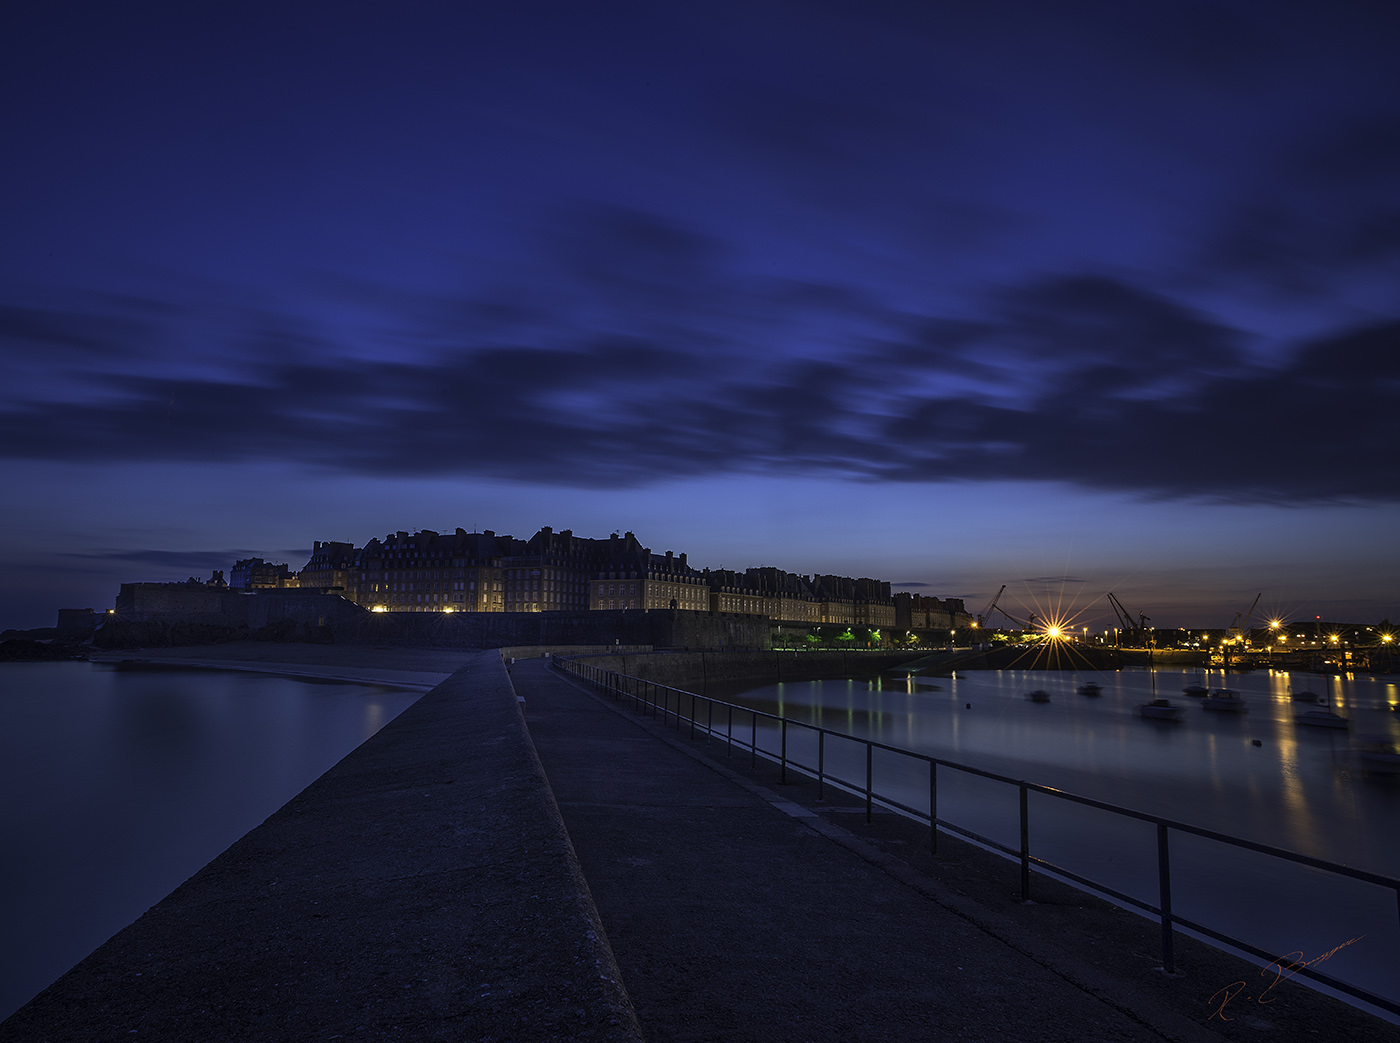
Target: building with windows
(635, 578)
(332, 566)
(429, 572)
(256, 574)
(917, 612)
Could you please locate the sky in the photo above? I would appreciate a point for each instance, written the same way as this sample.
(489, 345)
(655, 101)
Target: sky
(1075, 297)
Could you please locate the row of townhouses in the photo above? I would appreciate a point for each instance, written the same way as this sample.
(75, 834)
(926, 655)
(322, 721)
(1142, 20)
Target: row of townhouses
(427, 571)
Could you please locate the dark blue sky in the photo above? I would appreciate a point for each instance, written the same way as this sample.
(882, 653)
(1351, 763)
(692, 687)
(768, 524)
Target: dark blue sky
(1074, 297)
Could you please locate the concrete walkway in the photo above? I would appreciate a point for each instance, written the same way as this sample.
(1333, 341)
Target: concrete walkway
(422, 889)
(736, 913)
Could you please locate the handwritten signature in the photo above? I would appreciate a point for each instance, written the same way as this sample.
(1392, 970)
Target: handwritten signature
(1283, 968)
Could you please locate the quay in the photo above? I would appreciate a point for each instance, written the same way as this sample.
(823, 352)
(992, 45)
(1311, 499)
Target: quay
(516, 857)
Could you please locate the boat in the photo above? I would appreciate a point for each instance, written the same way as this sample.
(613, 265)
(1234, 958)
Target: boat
(1225, 700)
(1091, 688)
(1378, 755)
(1161, 710)
(1196, 691)
(1305, 697)
(1321, 718)
(1040, 695)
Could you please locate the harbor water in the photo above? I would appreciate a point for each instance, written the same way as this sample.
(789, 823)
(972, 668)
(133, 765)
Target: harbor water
(121, 783)
(1256, 775)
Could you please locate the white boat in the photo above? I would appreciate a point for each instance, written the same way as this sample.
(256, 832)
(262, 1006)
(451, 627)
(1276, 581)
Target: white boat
(1196, 691)
(1378, 755)
(1161, 709)
(1321, 718)
(1225, 700)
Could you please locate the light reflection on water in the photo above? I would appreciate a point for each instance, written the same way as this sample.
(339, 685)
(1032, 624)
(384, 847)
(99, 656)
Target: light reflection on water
(1300, 789)
(119, 784)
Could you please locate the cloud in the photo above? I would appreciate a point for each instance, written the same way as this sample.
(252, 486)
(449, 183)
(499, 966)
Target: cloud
(1326, 215)
(195, 559)
(663, 361)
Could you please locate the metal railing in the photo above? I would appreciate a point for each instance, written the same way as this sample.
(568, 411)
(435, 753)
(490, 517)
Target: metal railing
(667, 703)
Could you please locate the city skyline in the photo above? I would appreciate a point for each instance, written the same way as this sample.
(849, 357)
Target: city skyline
(1075, 301)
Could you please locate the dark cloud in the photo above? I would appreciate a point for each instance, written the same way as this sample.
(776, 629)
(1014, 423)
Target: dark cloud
(1326, 213)
(48, 333)
(198, 561)
(1086, 380)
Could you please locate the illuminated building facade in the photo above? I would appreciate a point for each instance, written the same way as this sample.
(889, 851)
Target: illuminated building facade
(427, 571)
(256, 574)
(332, 566)
(917, 612)
(635, 578)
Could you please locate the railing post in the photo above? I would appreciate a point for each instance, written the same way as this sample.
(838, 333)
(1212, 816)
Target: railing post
(729, 734)
(1025, 843)
(782, 727)
(753, 739)
(869, 775)
(821, 762)
(709, 720)
(1164, 901)
(692, 714)
(933, 807)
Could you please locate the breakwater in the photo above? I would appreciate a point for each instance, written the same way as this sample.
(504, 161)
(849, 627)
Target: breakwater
(422, 888)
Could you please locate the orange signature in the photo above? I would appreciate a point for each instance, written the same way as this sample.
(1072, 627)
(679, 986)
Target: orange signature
(1283, 968)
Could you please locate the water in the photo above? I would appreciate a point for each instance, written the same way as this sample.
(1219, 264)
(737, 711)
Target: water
(119, 784)
(1301, 789)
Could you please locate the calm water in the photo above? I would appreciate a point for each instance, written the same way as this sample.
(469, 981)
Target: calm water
(1301, 789)
(119, 784)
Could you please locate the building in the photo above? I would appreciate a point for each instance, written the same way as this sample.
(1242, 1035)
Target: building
(256, 574)
(917, 612)
(428, 572)
(332, 566)
(635, 578)
(733, 592)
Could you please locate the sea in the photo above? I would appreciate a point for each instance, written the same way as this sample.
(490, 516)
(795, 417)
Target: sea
(1256, 775)
(120, 783)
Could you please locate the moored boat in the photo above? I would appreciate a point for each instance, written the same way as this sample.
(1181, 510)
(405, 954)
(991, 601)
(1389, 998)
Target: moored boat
(1040, 695)
(1321, 718)
(1225, 700)
(1091, 688)
(1161, 710)
(1378, 755)
(1196, 691)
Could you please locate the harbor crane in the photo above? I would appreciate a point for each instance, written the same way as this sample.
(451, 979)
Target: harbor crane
(1237, 629)
(985, 616)
(1132, 631)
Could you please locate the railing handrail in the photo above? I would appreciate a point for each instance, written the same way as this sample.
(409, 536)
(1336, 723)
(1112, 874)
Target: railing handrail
(1027, 859)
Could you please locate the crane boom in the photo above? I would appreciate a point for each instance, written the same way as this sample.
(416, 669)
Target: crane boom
(1133, 631)
(986, 616)
(1239, 626)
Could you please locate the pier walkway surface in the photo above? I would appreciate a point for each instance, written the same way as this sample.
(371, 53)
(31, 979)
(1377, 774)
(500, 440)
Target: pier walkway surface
(601, 876)
(741, 908)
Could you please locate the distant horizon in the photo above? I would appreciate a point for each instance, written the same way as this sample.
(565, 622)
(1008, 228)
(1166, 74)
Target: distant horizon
(1061, 597)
